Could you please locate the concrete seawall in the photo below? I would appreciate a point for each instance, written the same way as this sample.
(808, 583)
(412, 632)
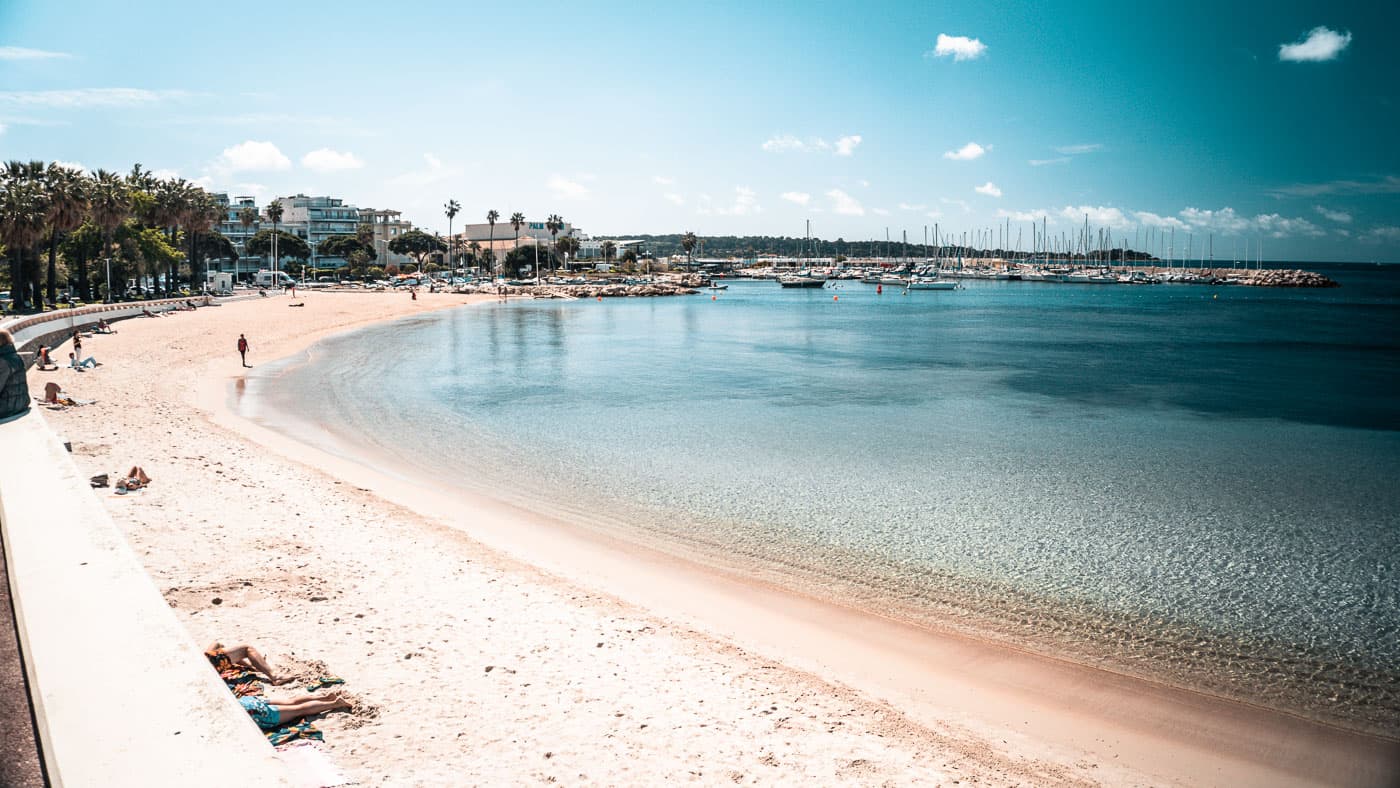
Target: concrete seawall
(121, 694)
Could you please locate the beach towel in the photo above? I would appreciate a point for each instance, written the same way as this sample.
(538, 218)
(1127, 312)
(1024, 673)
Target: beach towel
(323, 682)
(240, 680)
(293, 732)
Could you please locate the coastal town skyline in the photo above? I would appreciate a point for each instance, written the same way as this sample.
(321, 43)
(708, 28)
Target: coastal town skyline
(741, 121)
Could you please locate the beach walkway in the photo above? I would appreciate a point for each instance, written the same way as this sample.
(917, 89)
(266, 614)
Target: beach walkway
(19, 757)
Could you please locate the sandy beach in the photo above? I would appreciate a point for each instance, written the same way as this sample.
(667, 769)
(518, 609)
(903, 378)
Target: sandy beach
(492, 645)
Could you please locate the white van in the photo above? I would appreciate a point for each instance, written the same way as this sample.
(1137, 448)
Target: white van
(272, 279)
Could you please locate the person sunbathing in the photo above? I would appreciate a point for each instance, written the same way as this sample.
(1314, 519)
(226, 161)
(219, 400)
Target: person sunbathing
(273, 714)
(103, 327)
(74, 363)
(135, 479)
(233, 661)
(146, 312)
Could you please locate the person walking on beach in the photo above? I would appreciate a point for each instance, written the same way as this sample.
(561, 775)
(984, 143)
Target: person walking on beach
(14, 387)
(243, 349)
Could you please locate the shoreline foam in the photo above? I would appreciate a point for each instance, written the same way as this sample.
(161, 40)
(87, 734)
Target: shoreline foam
(1081, 717)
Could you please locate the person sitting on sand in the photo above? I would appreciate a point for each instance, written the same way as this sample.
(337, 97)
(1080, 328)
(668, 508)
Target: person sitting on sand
(51, 392)
(103, 327)
(74, 363)
(45, 363)
(135, 479)
(234, 663)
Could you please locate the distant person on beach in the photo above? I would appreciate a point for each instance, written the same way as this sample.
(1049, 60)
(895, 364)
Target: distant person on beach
(78, 344)
(45, 362)
(236, 664)
(134, 479)
(80, 364)
(14, 386)
(103, 327)
(243, 349)
(51, 392)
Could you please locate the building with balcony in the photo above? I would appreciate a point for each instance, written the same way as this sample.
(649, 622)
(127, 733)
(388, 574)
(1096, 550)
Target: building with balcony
(387, 226)
(231, 227)
(314, 219)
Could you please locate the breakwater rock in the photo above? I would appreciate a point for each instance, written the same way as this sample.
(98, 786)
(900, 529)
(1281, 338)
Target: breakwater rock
(1286, 278)
(605, 291)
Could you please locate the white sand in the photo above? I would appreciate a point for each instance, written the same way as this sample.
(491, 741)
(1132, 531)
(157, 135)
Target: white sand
(483, 668)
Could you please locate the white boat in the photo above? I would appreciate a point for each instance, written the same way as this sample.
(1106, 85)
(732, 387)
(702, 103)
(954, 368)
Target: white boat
(933, 283)
(802, 279)
(891, 279)
(718, 286)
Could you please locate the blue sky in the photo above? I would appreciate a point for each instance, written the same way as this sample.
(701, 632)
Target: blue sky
(746, 118)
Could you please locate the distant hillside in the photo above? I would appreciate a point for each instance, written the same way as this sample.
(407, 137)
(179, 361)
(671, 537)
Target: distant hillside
(748, 246)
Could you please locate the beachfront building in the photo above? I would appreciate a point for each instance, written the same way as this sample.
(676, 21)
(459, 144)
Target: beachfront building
(387, 226)
(231, 227)
(314, 219)
(530, 233)
(592, 249)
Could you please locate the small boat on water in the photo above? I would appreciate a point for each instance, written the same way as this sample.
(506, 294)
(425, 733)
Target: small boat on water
(802, 279)
(718, 286)
(933, 283)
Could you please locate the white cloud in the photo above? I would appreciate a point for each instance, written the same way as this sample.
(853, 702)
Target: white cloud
(1024, 216)
(78, 167)
(845, 146)
(904, 206)
(788, 143)
(25, 53)
(251, 155)
(801, 198)
(435, 172)
(963, 204)
(674, 198)
(1319, 45)
(87, 97)
(327, 160)
(845, 204)
(745, 203)
(1282, 227)
(958, 47)
(662, 181)
(1043, 162)
(249, 188)
(990, 189)
(934, 214)
(1075, 150)
(1224, 220)
(1149, 219)
(1380, 234)
(1390, 184)
(165, 173)
(204, 182)
(967, 152)
(1099, 215)
(562, 188)
(1336, 216)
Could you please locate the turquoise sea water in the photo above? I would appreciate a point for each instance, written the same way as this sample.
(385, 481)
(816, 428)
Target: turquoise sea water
(1192, 484)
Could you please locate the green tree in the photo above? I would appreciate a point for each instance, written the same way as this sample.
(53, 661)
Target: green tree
(608, 247)
(418, 244)
(79, 248)
(67, 209)
(517, 220)
(274, 215)
(629, 258)
(688, 243)
(348, 247)
(23, 211)
(110, 203)
(451, 209)
(491, 217)
(288, 245)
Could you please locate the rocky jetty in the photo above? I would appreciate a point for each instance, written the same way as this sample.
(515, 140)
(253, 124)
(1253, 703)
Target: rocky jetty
(1286, 278)
(604, 291)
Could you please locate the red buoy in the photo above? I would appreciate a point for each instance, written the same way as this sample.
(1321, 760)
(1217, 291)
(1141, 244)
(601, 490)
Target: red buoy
(879, 289)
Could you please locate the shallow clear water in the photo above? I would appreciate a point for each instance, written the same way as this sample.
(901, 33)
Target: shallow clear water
(1188, 483)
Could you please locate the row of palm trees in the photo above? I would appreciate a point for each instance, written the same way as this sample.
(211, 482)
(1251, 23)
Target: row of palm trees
(42, 206)
(555, 224)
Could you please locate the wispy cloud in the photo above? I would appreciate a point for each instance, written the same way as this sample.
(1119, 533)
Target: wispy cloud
(251, 156)
(1319, 44)
(1336, 216)
(957, 47)
(801, 198)
(661, 180)
(880, 211)
(25, 53)
(435, 171)
(326, 160)
(1075, 150)
(1386, 234)
(990, 189)
(562, 188)
(904, 206)
(81, 98)
(1149, 219)
(845, 204)
(788, 143)
(967, 152)
(1389, 184)
(745, 204)
(1099, 215)
(1024, 216)
(845, 146)
(1043, 162)
(963, 204)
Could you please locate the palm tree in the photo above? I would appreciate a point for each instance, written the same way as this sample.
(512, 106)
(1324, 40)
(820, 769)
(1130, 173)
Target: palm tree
(111, 204)
(516, 220)
(67, 210)
(200, 215)
(452, 207)
(22, 214)
(688, 242)
(554, 224)
(491, 217)
(274, 215)
(608, 248)
(475, 249)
